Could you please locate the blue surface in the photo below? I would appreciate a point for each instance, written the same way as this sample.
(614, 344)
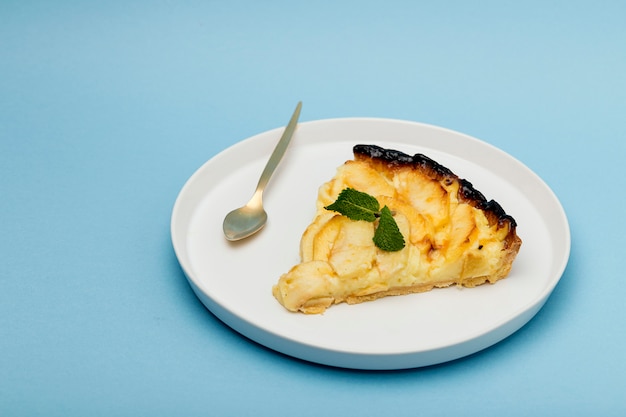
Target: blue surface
(106, 108)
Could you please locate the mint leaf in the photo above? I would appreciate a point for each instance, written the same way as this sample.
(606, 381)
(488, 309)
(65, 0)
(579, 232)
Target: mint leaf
(356, 205)
(387, 235)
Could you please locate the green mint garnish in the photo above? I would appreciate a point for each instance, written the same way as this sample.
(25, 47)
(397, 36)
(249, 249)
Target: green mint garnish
(387, 235)
(357, 205)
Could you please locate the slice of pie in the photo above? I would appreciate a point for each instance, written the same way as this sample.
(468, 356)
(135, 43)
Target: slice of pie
(452, 233)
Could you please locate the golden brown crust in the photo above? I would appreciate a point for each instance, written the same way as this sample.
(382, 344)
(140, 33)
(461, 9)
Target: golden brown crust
(391, 160)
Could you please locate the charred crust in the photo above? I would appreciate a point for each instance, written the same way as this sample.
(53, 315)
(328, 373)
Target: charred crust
(467, 193)
(492, 208)
(388, 155)
(395, 158)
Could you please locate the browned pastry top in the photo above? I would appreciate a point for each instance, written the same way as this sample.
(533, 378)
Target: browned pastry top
(467, 193)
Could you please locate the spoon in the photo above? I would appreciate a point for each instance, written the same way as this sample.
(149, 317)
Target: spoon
(249, 219)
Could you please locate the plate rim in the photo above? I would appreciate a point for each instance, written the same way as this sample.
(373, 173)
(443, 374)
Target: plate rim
(397, 360)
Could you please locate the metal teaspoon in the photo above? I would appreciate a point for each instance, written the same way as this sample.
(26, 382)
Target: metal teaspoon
(249, 219)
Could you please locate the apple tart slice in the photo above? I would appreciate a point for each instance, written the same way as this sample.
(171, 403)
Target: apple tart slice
(450, 234)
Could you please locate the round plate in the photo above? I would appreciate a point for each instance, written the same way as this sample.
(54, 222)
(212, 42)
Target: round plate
(234, 280)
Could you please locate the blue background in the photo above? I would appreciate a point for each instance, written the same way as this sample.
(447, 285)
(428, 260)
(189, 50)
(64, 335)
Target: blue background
(106, 108)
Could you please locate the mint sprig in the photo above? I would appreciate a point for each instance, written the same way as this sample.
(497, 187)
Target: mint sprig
(357, 205)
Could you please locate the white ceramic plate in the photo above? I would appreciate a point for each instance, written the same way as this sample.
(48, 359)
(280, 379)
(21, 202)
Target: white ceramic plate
(234, 280)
